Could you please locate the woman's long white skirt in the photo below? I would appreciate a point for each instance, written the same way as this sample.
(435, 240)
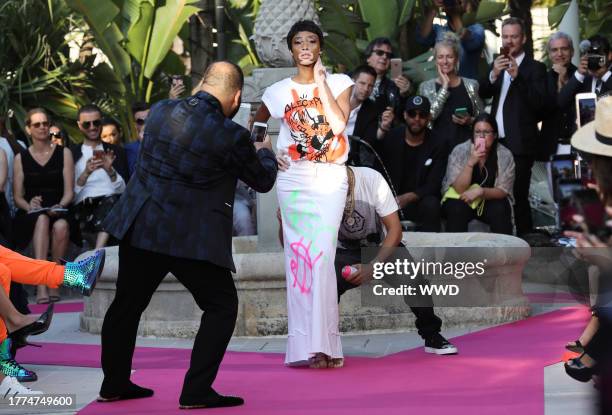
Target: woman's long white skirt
(312, 198)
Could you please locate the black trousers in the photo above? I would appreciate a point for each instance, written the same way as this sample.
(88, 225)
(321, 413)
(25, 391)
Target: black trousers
(140, 273)
(496, 213)
(425, 213)
(522, 182)
(427, 323)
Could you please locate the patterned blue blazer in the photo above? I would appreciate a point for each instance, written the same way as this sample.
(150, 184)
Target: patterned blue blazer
(179, 201)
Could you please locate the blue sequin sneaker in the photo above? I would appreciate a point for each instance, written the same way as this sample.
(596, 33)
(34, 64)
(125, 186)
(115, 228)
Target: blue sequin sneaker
(9, 367)
(82, 275)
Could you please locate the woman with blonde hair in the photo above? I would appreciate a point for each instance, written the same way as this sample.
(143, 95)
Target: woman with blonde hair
(454, 100)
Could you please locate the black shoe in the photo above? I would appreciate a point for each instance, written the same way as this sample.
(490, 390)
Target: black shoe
(577, 370)
(439, 345)
(218, 401)
(130, 391)
(20, 337)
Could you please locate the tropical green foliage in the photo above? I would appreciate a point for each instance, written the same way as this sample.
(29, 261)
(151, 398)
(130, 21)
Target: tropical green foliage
(35, 69)
(240, 47)
(136, 36)
(595, 16)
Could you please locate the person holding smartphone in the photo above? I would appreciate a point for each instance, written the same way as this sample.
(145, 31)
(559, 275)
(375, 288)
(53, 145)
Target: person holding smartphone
(100, 174)
(478, 182)
(517, 84)
(313, 107)
(454, 99)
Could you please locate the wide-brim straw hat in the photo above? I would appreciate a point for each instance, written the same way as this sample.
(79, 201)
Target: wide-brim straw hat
(596, 136)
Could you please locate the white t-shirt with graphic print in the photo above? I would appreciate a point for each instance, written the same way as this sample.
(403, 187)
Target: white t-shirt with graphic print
(373, 200)
(305, 133)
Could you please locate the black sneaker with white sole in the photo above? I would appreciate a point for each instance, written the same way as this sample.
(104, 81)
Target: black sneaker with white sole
(439, 345)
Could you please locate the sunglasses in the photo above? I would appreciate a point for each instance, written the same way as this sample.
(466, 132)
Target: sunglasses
(140, 121)
(39, 124)
(416, 113)
(87, 124)
(380, 52)
(56, 135)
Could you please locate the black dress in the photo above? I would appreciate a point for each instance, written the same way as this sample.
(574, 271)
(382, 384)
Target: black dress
(46, 181)
(443, 127)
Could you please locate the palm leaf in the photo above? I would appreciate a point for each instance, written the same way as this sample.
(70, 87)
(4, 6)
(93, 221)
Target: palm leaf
(168, 22)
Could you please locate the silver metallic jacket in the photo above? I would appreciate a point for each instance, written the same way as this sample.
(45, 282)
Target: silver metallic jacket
(438, 98)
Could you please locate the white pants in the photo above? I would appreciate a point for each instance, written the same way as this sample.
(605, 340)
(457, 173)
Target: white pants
(312, 198)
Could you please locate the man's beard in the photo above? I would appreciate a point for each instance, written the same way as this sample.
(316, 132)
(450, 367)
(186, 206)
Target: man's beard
(416, 130)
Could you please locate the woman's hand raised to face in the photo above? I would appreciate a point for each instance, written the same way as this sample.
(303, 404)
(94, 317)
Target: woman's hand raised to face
(476, 155)
(444, 79)
(319, 72)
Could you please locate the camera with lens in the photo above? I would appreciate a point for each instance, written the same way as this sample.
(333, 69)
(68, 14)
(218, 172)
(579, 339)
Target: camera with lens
(596, 51)
(595, 61)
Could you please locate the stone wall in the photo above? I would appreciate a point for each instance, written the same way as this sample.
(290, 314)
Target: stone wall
(260, 281)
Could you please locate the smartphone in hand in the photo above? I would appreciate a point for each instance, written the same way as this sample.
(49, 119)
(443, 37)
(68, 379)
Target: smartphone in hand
(258, 132)
(480, 143)
(98, 154)
(461, 112)
(396, 68)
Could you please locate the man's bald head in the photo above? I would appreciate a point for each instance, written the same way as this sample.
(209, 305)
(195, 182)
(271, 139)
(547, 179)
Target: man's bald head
(223, 77)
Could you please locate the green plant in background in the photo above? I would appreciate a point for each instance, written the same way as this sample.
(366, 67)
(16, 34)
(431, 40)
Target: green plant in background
(136, 36)
(35, 69)
(351, 24)
(241, 49)
(595, 16)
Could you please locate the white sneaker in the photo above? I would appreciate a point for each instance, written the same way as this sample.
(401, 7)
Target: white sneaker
(10, 386)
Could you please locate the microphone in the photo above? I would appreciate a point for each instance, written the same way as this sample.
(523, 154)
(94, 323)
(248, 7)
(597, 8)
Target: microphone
(584, 46)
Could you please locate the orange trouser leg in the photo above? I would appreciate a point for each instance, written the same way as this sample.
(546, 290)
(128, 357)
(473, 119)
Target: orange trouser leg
(31, 271)
(5, 282)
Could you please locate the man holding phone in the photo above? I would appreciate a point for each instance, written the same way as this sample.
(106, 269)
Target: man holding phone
(517, 84)
(100, 173)
(176, 216)
(389, 94)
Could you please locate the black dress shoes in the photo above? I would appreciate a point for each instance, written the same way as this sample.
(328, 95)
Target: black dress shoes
(20, 337)
(130, 391)
(577, 370)
(218, 401)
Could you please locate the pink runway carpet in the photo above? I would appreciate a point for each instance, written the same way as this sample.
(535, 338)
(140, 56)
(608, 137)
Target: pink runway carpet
(498, 371)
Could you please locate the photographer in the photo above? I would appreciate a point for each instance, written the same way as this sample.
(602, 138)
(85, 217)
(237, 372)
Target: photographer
(593, 73)
(595, 139)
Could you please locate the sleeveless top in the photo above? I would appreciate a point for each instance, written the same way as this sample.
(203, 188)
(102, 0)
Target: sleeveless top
(46, 181)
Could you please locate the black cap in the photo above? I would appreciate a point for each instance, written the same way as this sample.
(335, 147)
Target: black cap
(417, 102)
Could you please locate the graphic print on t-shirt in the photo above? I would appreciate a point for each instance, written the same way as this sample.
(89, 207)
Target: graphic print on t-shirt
(312, 136)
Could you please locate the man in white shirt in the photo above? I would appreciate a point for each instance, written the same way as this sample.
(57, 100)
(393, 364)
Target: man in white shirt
(100, 169)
